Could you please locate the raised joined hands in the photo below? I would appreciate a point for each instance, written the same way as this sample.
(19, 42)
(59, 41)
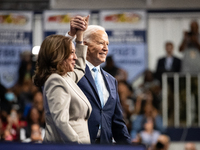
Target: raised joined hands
(79, 24)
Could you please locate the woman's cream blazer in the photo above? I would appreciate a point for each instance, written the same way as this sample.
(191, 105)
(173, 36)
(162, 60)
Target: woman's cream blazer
(67, 109)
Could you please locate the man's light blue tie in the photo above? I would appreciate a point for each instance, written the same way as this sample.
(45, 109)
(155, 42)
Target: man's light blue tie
(98, 85)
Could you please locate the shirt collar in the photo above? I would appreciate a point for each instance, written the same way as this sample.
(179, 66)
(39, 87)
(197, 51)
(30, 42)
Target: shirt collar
(169, 58)
(91, 66)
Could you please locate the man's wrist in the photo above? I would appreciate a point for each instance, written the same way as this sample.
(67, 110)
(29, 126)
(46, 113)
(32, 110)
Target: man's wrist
(70, 34)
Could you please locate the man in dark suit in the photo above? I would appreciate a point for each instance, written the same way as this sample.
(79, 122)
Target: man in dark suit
(172, 64)
(106, 122)
(169, 63)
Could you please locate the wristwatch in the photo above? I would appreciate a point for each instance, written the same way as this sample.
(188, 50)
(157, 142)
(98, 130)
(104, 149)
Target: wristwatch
(79, 42)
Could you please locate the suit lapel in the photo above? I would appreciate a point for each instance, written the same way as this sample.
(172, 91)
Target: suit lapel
(105, 77)
(173, 63)
(90, 79)
(164, 62)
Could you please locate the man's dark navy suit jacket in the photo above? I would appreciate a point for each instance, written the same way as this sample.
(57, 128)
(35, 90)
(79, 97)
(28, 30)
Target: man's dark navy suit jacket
(110, 116)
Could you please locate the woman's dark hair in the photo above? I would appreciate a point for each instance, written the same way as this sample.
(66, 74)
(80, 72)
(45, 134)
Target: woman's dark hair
(28, 118)
(55, 49)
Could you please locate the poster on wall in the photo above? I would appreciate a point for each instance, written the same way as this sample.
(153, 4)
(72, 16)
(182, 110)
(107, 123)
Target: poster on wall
(58, 22)
(15, 38)
(127, 39)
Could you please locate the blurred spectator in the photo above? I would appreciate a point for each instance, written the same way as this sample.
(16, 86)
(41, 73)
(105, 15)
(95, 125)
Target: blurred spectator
(3, 101)
(190, 146)
(25, 95)
(32, 118)
(1, 128)
(147, 96)
(36, 134)
(4, 121)
(25, 68)
(7, 135)
(127, 101)
(148, 135)
(150, 84)
(24, 89)
(11, 112)
(150, 98)
(38, 103)
(162, 143)
(12, 101)
(190, 46)
(168, 63)
(9, 99)
(149, 112)
(115, 71)
(11, 124)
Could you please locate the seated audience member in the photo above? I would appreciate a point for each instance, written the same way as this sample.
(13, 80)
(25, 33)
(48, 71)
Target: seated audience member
(32, 118)
(190, 146)
(151, 84)
(1, 128)
(24, 87)
(10, 100)
(149, 112)
(25, 68)
(126, 98)
(11, 122)
(36, 133)
(147, 96)
(7, 136)
(115, 71)
(148, 135)
(3, 102)
(38, 103)
(163, 143)
(4, 121)
(26, 96)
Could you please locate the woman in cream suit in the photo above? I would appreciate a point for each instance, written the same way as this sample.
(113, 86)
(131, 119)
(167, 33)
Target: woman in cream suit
(66, 107)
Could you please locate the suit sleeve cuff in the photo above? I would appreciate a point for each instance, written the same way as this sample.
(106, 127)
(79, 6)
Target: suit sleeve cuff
(73, 37)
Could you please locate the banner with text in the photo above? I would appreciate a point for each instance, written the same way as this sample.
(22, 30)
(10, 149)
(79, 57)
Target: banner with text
(15, 38)
(127, 39)
(58, 22)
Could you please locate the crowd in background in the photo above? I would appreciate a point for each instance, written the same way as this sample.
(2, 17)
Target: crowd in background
(22, 111)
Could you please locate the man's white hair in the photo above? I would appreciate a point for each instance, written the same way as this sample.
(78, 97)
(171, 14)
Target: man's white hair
(91, 29)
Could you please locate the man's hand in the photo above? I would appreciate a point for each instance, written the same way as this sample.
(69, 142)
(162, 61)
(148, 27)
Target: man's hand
(77, 23)
(86, 21)
(79, 32)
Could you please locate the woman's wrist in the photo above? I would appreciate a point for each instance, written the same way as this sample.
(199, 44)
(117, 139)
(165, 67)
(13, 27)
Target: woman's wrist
(79, 37)
(79, 42)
